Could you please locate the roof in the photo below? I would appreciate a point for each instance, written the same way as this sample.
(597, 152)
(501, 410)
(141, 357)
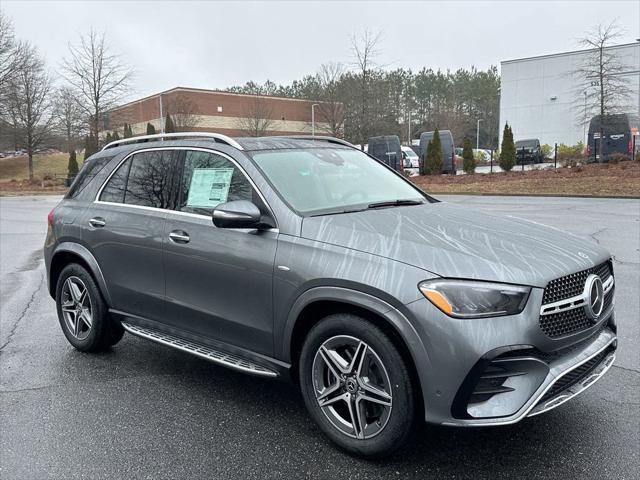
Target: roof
(571, 52)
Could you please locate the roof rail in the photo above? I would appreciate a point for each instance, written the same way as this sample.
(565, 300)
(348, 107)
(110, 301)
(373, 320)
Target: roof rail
(319, 138)
(218, 137)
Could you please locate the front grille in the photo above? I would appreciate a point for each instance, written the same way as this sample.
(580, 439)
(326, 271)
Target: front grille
(574, 376)
(572, 285)
(567, 322)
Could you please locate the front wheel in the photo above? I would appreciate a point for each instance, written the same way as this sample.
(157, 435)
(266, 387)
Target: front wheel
(356, 386)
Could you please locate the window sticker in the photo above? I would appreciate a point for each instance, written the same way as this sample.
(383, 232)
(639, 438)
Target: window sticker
(209, 187)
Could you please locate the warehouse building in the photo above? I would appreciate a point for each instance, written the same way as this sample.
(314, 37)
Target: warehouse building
(232, 114)
(540, 96)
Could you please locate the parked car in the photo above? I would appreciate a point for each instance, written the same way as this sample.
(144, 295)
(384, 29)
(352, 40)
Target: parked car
(386, 148)
(528, 151)
(411, 161)
(449, 160)
(305, 259)
(618, 133)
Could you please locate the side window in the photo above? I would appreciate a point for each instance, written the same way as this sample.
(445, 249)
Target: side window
(209, 179)
(113, 191)
(150, 179)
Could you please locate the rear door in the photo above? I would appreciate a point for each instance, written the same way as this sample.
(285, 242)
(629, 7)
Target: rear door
(125, 230)
(218, 281)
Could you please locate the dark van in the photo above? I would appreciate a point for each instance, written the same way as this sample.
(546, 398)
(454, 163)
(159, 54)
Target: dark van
(387, 149)
(448, 150)
(618, 136)
(529, 151)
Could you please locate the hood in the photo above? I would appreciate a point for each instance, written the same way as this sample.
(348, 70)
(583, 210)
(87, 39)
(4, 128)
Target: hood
(453, 241)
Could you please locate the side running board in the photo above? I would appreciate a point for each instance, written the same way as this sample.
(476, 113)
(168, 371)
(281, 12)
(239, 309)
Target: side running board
(208, 353)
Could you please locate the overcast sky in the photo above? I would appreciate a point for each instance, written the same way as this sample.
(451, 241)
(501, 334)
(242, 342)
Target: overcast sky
(220, 44)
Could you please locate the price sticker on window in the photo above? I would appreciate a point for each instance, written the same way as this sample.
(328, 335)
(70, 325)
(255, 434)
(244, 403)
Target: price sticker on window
(209, 187)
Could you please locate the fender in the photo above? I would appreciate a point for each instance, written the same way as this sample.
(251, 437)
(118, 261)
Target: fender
(392, 315)
(84, 253)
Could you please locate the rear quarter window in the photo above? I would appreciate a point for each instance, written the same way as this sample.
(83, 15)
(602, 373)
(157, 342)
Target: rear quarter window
(89, 170)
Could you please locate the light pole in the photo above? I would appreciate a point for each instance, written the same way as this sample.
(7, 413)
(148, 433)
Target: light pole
(584, 123)
(478, 134)
(313, 119)
(161, 114)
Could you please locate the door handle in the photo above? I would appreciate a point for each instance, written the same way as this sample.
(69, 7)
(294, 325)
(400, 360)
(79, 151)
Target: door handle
(178, 236)
(97, 222)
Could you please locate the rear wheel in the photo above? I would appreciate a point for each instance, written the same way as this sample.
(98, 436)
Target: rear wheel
(356, 386)
(82, 312)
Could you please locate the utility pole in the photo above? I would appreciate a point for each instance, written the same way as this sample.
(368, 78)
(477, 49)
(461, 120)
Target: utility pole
(161, 114)
(313, 119)
(478, 134)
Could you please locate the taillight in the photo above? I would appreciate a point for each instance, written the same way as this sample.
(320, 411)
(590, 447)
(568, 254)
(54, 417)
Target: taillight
(51, 217)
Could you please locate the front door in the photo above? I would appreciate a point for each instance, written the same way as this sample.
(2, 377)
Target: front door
(218, 281)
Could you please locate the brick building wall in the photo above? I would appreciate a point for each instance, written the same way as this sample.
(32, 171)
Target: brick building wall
(214, 111)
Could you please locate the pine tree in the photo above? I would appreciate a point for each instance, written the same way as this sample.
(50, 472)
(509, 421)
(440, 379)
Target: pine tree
(169, 127)
(507, 150)
(115, 137)
(108, 139)
(72, 166)
(434, 155)
(151, 130)
(468, 160)
(127, 131)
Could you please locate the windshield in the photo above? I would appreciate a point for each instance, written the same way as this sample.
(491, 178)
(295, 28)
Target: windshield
(410, 153)
(332, 180)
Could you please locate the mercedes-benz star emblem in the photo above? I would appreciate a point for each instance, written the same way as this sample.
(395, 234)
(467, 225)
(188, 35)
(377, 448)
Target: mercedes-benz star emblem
(595, 296)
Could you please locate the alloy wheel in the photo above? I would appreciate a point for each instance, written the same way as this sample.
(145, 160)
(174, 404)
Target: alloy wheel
(352, 386)
(76, 307)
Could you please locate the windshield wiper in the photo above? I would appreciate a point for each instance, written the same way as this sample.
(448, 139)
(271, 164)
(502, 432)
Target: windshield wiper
(395, 203)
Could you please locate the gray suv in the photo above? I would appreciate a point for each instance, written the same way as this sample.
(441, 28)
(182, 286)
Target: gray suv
(307, 260)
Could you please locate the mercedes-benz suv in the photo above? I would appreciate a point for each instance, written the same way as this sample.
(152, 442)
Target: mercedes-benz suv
(307, 260)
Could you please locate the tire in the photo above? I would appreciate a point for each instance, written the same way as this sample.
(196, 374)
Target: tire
(388, 421)
(82, 312)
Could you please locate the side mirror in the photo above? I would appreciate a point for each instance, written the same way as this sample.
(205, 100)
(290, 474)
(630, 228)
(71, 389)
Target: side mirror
(236, 214)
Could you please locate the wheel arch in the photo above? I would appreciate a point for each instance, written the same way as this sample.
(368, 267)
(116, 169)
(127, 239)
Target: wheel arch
(70, 252)
(316, 303)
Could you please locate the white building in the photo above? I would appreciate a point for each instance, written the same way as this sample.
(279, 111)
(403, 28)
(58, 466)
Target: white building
(539, 94)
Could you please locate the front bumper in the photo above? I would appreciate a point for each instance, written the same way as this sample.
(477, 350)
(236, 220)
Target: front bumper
(497, 371)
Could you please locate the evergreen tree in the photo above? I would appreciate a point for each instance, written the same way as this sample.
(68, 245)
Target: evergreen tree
(434, 155)
(507, 150)
(151, 130)
(468, 160)
(169, 127)
(127, 131)
(108, 139)
(72, 166)
(115, 137)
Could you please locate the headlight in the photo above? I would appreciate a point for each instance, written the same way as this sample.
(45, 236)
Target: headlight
(470, 299)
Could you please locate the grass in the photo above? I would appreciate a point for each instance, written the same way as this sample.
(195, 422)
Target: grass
(16, 168)
(605, 180)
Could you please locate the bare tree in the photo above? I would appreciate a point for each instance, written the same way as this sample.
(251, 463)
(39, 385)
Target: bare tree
(257, 117)
(28, 101)
(365, 51)
(99, 77)
(9, 51)
(183, 113)
(604, 88)
(331, 110)
(69, 117)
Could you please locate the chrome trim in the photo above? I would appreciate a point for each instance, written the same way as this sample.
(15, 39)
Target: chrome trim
(320, 138)
(197, 149)
(225, 359)
(479, 422)
(581, 387)
(575, 302)
(161, 136)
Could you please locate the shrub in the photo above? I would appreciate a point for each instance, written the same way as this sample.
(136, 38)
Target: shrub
(433, 157)
(72, 166)
(151, 130)
(617, 158)
(468, 160)
(546, 150)
(507, 150)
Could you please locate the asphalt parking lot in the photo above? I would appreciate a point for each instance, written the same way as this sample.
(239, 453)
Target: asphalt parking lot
(145, 411)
